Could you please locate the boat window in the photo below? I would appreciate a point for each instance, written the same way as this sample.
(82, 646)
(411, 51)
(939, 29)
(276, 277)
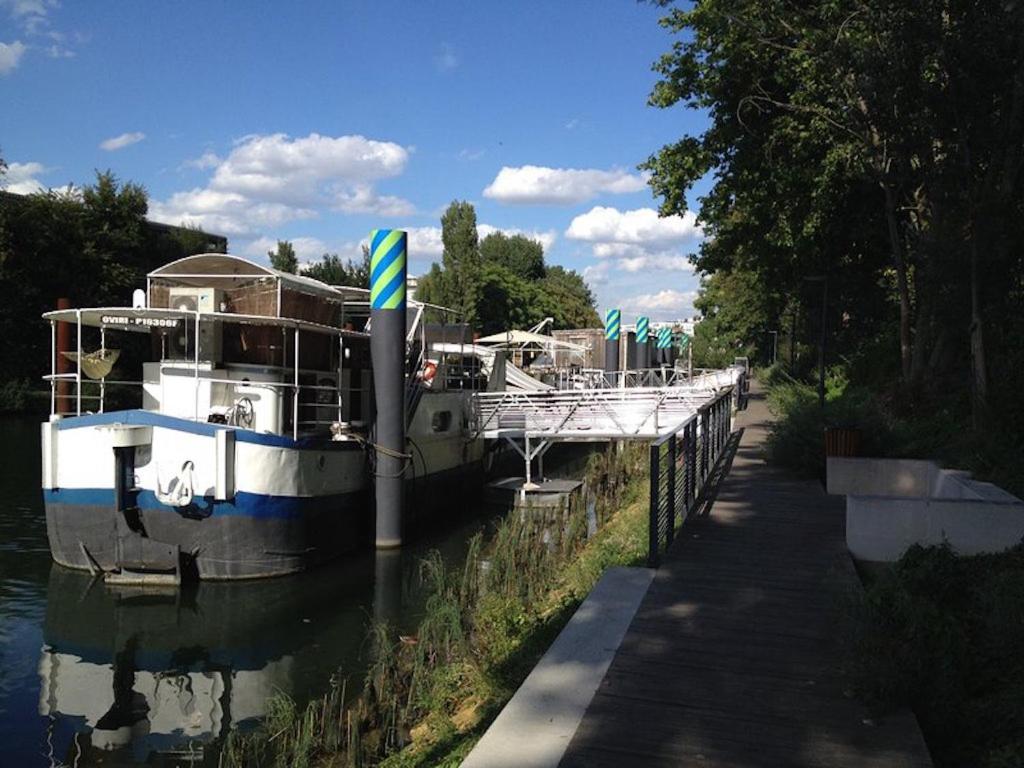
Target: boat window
(441, 421)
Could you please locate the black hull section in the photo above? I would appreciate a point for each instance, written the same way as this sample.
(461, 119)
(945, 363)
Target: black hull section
(300, 534)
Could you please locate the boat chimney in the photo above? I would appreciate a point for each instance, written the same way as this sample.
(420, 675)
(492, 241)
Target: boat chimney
(612, 321)
(387, 351)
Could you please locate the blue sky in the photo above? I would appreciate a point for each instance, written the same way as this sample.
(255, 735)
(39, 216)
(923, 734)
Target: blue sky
(316, 122)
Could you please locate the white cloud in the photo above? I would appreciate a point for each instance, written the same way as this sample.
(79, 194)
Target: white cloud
(597, 274)
(470, 155)
(571, 124)
(539, 185)
(446, 60)
(308, 250)
(10, 56)
(280, 168)
(640, 227)
(362, 199)
(661, 305)
(120, 142)
(546, 238)
(30, 14)
(269, 180)
(204, 162)
(637, 241)
(224, 213)
(20, 178)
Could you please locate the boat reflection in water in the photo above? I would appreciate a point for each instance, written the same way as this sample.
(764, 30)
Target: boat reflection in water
(132, 675)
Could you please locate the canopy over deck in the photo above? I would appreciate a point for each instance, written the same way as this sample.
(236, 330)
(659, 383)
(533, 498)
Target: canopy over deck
(515, 338)
(144, 320)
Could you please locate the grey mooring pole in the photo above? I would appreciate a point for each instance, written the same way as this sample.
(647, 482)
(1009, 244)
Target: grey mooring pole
(387, 351)
(643, 348)
(612, 323)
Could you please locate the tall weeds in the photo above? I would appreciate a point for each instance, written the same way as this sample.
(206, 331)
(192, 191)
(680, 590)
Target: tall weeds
(463, 660)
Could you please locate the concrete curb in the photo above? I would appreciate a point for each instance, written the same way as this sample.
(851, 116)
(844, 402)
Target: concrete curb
(535, 727)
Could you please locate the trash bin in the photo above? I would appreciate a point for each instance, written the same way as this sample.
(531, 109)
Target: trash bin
(842, 441)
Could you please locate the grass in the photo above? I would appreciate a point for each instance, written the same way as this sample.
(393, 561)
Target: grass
(943, 635)
(427, 698)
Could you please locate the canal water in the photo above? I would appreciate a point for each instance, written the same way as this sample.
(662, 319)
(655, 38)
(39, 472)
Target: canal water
(95, 675)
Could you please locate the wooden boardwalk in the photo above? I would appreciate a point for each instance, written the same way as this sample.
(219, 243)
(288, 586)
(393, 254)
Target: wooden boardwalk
(732, 658)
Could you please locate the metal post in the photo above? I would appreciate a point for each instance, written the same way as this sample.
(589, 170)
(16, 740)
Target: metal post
(652, 532)
(195, 380)
(53, 367)
(612, 324)
(388, 249)
(821, 344)
(643, 356)
(78, 367)
(103, 354)
(670, 534)
(62, 364)
(295, 389)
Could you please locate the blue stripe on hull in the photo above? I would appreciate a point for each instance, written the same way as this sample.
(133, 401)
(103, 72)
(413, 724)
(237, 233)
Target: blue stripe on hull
(255, 505)
(149, 418)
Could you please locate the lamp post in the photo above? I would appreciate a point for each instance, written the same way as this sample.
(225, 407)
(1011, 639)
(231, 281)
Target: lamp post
(823, 279)
(775, 345)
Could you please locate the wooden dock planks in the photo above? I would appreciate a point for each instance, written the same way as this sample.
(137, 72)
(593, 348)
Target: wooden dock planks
(733, 657)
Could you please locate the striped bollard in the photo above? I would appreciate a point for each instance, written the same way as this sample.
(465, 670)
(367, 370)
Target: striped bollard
(643, 330)
(387, 351)
(612, 324)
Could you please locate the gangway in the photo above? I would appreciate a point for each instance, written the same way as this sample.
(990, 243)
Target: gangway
(532, 421)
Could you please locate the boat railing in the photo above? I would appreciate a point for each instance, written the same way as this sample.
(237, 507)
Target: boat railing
(305, 413)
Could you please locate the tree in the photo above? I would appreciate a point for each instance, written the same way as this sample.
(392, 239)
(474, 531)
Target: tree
(876, 144)
(283, 259)
(461, 259)
(519, 254)
(333, 271)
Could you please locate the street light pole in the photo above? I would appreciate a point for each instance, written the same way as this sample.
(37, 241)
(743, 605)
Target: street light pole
(823, 279)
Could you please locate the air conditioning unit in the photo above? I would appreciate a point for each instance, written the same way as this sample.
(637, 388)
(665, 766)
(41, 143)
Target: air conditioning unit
(203, 300)
(195, 299)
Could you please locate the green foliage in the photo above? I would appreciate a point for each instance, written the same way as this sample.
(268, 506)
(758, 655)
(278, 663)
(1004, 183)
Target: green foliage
(484, 627)
(503, 282)
(875, 145)
(461, 259)
(283, 258)
(942, 634)
(333, 271)
(518, 254)
(92, 246)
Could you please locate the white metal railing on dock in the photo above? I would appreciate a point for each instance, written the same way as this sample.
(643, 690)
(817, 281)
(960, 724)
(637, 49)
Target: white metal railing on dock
(593, 414)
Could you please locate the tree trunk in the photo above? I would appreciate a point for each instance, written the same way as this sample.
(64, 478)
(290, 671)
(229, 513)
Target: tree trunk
(979, 371)
(902, 282)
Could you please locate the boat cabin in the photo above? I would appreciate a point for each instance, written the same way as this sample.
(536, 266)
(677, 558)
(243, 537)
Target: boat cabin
(217, 338)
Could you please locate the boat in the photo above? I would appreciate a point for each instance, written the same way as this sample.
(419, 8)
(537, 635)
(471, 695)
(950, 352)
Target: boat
(245, 447)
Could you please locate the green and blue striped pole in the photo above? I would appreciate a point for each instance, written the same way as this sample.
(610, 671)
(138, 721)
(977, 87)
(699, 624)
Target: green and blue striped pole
(388, 251)
(612, 328)
(643, 330)
(664, 342)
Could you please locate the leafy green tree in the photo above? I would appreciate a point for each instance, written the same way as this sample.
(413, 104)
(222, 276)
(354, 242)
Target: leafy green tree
(114, 226)
(283, 258)
(519, 254)
(874, 144)
(461, 259)
(331, 269)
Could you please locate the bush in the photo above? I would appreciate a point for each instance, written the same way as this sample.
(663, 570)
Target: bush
(943, 635)
(14, 395)
(797, 438)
